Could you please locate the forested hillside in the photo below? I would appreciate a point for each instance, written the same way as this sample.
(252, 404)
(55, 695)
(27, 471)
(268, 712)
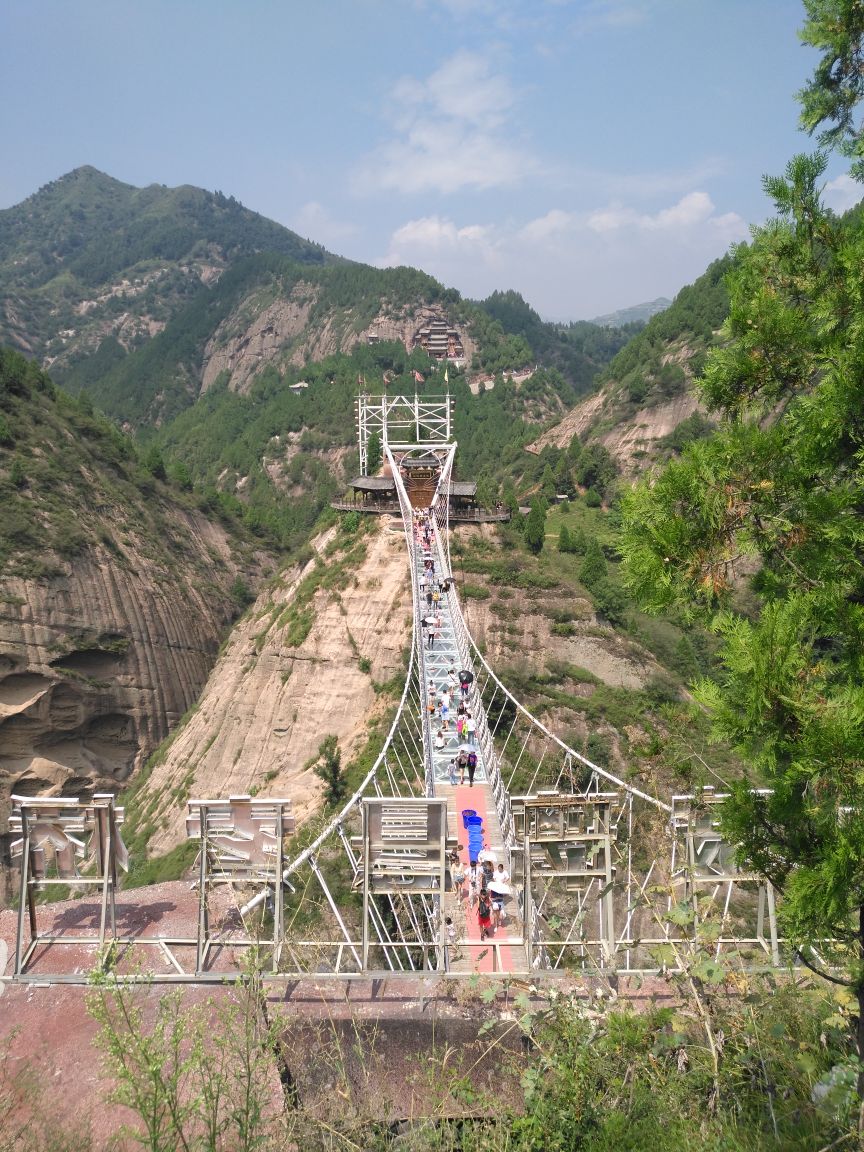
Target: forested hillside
(145, 297)
(88, 256)
(578, 350)
(301, 315)
(644, 406)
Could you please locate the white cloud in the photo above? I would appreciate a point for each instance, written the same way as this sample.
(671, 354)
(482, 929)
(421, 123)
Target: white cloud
(692, 211)
(694, 208)
(842, 194)
(613, 218)
(449, 133)
(430, 237)
(571, 264)
(554, 223)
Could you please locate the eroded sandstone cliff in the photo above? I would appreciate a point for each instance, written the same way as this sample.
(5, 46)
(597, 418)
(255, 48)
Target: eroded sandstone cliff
(285, 333)
(99, 662)
(302, 664)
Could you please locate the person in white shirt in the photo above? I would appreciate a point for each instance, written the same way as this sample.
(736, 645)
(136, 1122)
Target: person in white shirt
(487, 860)
(473, 883)
(470, 727)
(502, 876)
(439, 739)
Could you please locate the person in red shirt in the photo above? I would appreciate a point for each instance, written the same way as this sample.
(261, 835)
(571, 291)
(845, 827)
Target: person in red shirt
(484, 914)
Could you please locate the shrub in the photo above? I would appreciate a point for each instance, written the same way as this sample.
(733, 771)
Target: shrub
(241, 593)
(329, 769)
(17, 475)
(593, 568)
(475, 592)
(611, 601)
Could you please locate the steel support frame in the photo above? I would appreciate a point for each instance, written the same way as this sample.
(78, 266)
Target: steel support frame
(103, 842)
(208, 876)
(403, 423)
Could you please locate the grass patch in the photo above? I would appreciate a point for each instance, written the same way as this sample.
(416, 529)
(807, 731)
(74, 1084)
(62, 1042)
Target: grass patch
(475, 592)
(172, 865)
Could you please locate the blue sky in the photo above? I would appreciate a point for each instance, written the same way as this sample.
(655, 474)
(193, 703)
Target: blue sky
(590, 153)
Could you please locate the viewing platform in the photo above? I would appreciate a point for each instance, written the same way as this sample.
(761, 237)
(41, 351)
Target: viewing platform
(377, 494)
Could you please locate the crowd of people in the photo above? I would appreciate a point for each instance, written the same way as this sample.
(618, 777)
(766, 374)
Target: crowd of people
(481, 885)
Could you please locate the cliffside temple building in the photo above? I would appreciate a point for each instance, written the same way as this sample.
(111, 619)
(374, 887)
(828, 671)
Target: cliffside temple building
(437, 337)
(440, 340)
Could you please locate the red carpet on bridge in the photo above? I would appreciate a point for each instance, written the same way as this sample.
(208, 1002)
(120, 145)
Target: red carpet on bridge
(480, 952)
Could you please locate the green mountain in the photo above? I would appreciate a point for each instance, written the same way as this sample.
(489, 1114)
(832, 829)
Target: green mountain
(89, 257)
(643, 405)
(147, 297)
(578, 350)
(635, 314)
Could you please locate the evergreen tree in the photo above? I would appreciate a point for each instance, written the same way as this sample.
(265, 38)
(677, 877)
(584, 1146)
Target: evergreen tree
(535, 527)
(828, 101)
(578, 540)
(563, 477)
(329, 769)
(594, 567)
(547, 483)
(17, 476)
(782, 481)
(374, 454)
(564, 544)
(596, 468)
(155, 464)
(509, 496)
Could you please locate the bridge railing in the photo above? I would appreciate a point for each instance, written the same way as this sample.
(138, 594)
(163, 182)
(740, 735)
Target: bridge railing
(417, 634)
(491, 759)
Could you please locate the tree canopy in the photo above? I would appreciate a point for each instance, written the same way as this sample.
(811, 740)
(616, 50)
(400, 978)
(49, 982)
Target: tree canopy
(760, 527)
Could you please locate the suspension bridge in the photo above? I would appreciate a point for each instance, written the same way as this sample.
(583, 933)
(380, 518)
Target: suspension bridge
(603, 875)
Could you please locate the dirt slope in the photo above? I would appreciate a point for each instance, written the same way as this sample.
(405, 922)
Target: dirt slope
(631, 438)
(270, 700)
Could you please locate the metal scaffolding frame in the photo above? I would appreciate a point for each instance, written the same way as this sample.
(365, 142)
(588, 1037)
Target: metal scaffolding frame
(54, 836)
(404, 853)
(403, 423)
(242, 840)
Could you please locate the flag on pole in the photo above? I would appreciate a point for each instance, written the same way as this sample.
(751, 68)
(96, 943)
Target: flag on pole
(418, 377)
(446, 376)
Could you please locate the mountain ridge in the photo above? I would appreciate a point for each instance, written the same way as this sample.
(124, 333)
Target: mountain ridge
(121, 290)
(635, 314)
(87, 256)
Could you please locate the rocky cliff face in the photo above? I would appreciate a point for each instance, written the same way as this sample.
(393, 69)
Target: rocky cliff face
(244, 343)
(98, 663)
(283, 332)
(632, 438)
(301, 665)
